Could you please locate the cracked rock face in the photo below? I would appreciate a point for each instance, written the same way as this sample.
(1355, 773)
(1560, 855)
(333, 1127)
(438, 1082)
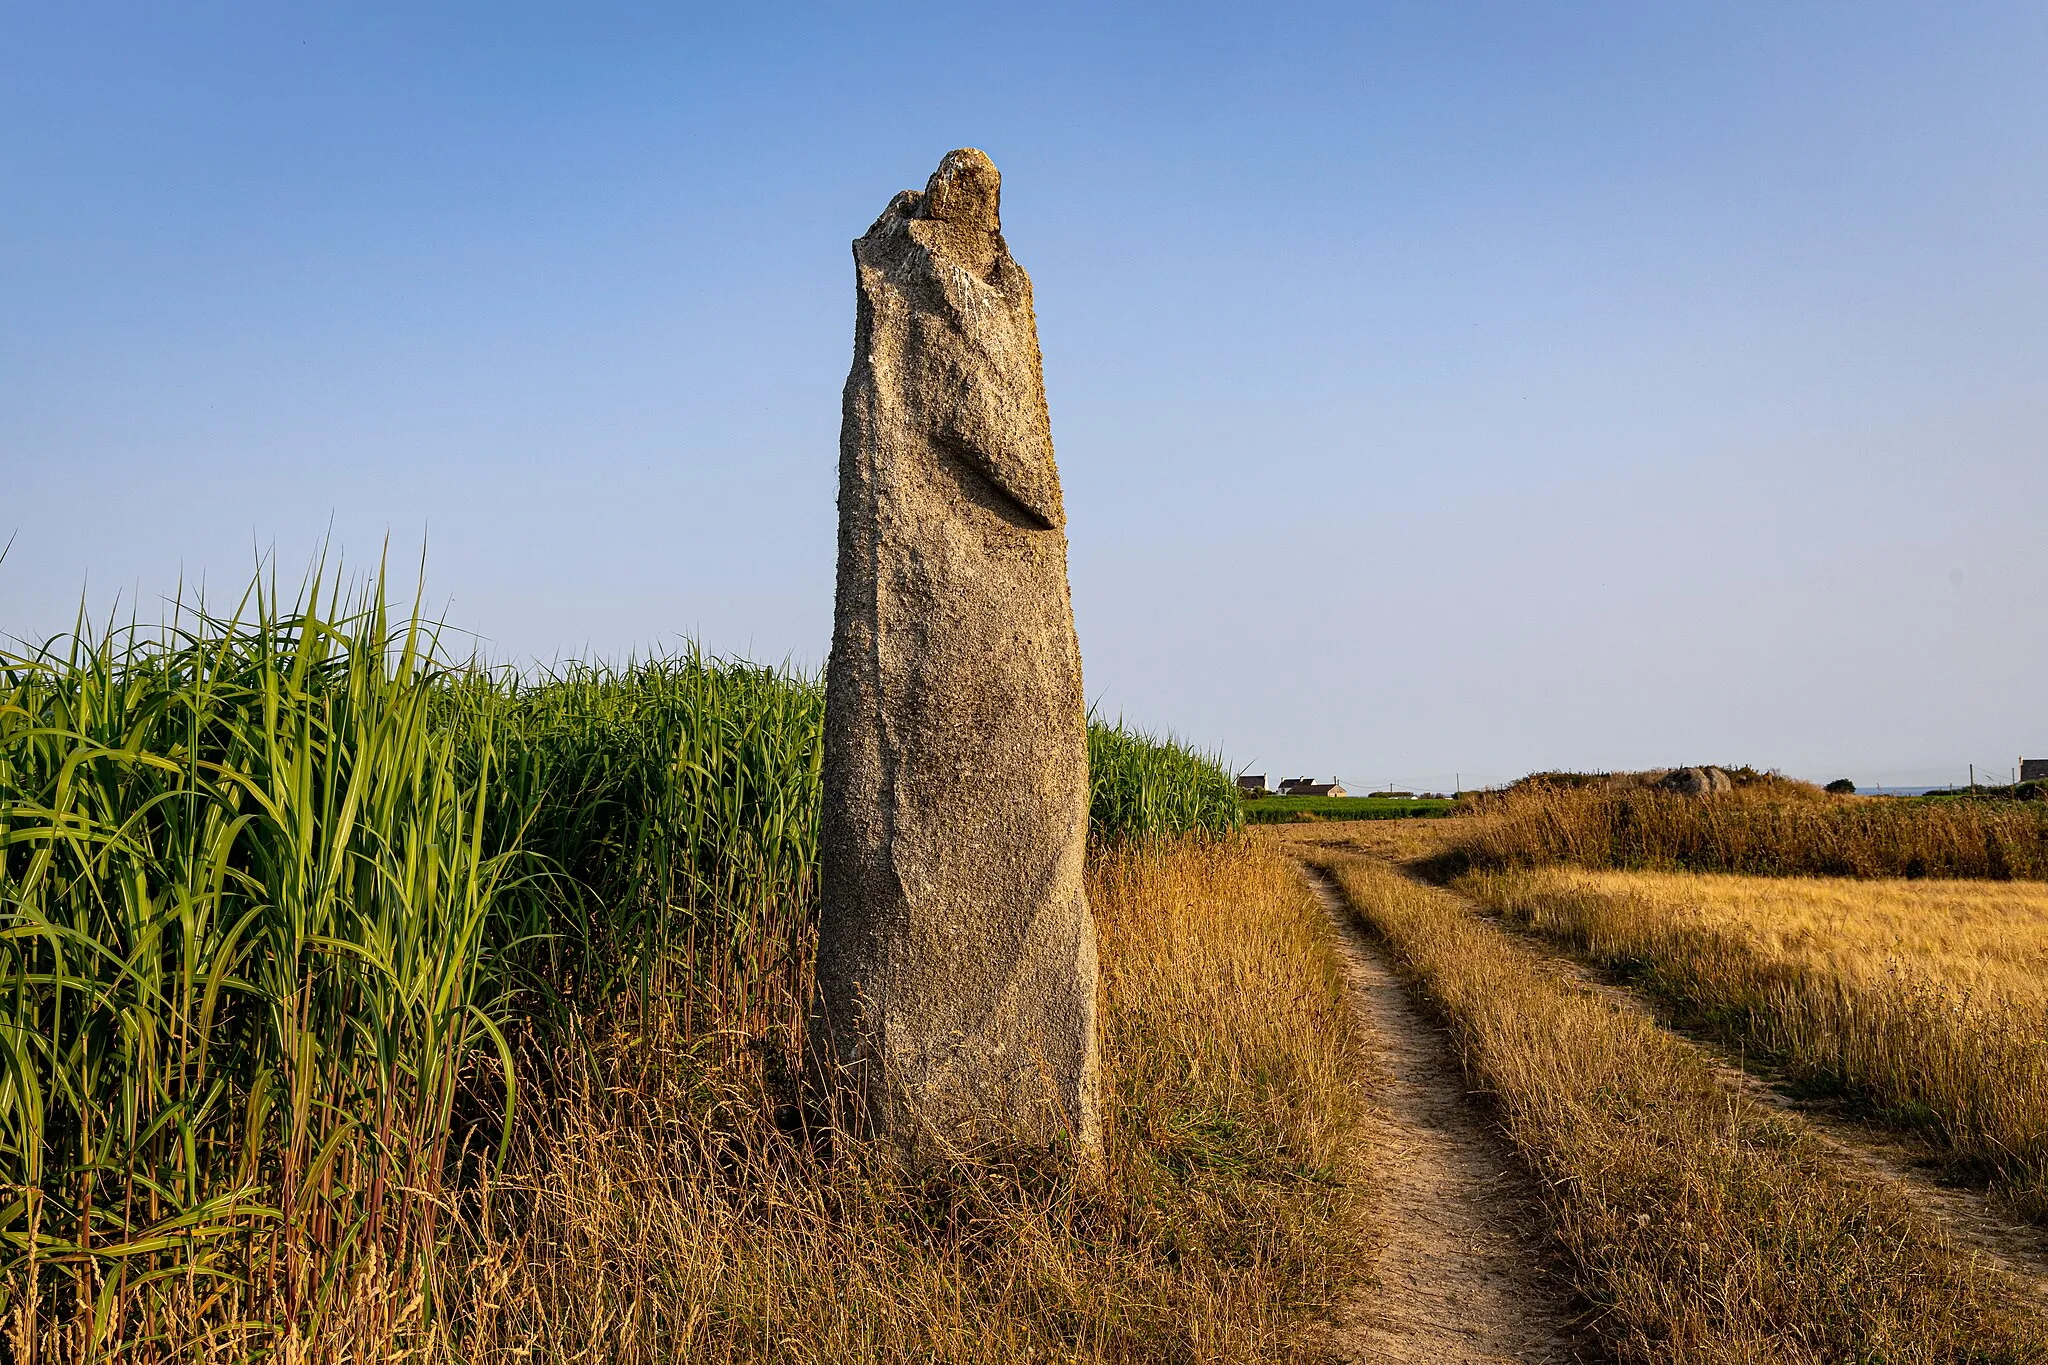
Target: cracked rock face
(956, 955)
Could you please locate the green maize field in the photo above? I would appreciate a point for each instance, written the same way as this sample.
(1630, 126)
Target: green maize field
(1280, 810)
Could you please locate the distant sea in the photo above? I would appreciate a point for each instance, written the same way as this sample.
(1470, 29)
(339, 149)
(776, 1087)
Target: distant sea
(1922, 791)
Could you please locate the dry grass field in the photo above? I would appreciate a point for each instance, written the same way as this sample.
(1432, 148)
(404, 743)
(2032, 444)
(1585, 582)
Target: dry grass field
(362, 1003)
(1232, 1210)
(665, 1209)
(364, 1006)
(1771, 828)
(1981, 940)
(1700, 1226)
(1925, 999)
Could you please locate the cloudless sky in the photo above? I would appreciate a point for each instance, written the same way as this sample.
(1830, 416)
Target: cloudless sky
(1439, 388)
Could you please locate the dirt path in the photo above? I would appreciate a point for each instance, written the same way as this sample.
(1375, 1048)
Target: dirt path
(1458, 1280)
(1971, 1219)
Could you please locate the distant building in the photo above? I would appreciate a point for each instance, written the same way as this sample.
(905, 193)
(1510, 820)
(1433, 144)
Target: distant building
(1252, 784)
(1308, 786)
(2034, 770)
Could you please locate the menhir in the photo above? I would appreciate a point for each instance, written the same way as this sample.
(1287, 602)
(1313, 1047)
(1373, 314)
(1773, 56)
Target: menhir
(956, 955)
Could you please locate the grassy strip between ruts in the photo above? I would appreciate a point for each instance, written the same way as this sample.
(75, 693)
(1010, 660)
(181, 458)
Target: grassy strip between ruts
(642, 1225)
(1923, 999)
(1702, 1227)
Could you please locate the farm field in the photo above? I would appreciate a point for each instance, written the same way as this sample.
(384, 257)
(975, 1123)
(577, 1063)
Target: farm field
(363, 1003)
(1771, 827)
(1925, 1001)
(1277, 810)
(1697, 1224)
(1984, 940)
(1891, 1033)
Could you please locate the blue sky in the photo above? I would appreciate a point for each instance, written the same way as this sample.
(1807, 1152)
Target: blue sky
(1439, 388)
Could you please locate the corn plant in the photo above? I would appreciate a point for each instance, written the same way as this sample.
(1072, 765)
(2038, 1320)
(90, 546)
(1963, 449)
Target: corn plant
(678, 798)
(1144, 787)
(242, 930)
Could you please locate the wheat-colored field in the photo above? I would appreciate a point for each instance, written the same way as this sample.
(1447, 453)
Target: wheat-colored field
(1925, 999)
(1702, 1227)
(1971, 937)
(1772, 828)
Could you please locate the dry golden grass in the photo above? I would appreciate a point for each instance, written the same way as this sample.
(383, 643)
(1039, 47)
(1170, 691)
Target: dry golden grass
(1928, 1000)
(1704, 1228)
(659, 1213)
(1395, 841)
(1972, 937)
(1772, 829)
(666, 1206)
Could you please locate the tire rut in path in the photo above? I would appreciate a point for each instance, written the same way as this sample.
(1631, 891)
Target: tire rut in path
(1458, 1277)
(1969, 1218)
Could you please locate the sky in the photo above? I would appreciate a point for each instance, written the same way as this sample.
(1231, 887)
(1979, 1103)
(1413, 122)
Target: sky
(1442, 391)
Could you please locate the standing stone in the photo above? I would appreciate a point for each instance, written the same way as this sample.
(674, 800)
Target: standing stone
(956, 953)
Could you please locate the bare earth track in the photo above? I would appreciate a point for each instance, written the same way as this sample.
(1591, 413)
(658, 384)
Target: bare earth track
(1458, 1280)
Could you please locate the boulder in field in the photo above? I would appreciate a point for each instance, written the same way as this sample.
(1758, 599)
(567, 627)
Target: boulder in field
(1697, 782)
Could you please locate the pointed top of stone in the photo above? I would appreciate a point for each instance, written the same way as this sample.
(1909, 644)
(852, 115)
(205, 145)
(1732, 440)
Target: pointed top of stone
(966, 191)
(957, 218)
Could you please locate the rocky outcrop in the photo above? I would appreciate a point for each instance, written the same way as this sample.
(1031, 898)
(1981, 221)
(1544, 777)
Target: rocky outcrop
(1697, 782)
(956, 956)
